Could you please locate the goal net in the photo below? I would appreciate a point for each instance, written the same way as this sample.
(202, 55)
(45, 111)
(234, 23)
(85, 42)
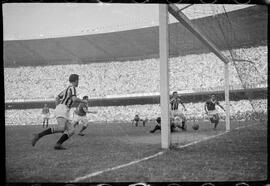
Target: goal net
(239, 32)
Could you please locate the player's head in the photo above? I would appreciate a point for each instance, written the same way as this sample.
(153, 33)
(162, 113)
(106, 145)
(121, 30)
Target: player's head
(213, 97)
(45, 105)
(85, 98)
(74, 79)
(158, 120)
(175, 95)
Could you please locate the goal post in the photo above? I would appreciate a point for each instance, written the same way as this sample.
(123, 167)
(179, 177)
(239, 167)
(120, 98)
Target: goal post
(164, 9)
(164, 75)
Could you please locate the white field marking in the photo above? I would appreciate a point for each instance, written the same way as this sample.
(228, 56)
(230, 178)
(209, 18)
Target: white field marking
(152, 156)
(117, 167)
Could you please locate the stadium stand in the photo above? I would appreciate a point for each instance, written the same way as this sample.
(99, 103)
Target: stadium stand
(122, 78)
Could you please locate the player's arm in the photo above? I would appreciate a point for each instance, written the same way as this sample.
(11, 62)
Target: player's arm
(76, 99)
(205, 108)
(88, 111)
(182, 104)
(58, 98)
(220, 106)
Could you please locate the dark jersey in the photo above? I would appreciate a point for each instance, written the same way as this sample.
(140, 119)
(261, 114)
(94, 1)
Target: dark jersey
(136, 118)
(211, 105)
(80, 110)
(66, 96)
(45, 110)
(174, 103)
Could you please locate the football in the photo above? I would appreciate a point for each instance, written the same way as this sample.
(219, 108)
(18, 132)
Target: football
(195, 127)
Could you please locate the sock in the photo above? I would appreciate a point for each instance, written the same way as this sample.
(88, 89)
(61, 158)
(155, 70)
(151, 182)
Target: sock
(156, 128)
(216, 123)
(45, 132)
(63, 138)
(183, 124)
(83, 128)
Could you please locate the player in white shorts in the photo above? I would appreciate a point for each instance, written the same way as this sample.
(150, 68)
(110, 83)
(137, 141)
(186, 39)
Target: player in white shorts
(174, 102)
(64, 125)
(80, 115)
(210, 109)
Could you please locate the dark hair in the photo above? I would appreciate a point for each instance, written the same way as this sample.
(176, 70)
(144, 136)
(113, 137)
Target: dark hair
(73, 78)
(85, 97)
(175, 92)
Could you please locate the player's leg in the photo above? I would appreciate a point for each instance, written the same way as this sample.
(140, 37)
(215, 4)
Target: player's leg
(85, 125)
(184, 119)
(68, 132)
(157, 127)
(43, 124)
(55, 129)
(216, 120)
(47, 121)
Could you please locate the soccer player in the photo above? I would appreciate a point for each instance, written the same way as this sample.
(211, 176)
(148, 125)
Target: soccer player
(210, 109)
(45, 115)
(174, 102)
(136, 120)
(158, 125)
(64, 101)
(80, 115)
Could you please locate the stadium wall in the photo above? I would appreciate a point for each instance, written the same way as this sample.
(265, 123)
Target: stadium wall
(235, 95)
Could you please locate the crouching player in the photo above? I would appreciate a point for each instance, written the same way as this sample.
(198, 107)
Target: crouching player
(210, 109)
(80, 115)
(174, 123)
(137, 119)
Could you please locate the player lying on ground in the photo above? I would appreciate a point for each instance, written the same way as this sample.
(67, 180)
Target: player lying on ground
(64, 125)
(174, 124)
(45, 115)
(137, 119)
(174, 102)
(210, 109)
(80, 115)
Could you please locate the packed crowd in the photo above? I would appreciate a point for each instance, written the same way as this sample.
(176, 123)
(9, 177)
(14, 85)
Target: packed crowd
(191, 72)
(240, 110)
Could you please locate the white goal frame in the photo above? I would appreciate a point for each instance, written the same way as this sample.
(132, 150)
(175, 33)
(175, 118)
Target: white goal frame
(164, 10)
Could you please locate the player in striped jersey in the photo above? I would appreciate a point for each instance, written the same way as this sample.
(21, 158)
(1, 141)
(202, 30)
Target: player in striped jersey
(64, 125)
(174, 102)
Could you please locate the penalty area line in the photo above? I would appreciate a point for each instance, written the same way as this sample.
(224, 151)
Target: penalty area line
(78, 179)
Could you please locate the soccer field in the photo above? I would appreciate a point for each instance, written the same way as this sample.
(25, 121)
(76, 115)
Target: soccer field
(124, 153)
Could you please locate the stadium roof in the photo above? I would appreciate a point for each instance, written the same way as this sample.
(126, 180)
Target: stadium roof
(243, 27)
